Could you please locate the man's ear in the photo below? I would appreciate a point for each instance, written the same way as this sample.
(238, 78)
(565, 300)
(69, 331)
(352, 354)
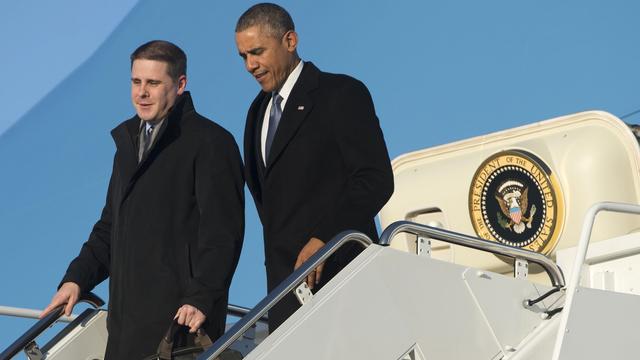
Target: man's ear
(182, 84)
(291, 40)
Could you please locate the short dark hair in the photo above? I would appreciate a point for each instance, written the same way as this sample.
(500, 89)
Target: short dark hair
(274, 18)
(161, 50)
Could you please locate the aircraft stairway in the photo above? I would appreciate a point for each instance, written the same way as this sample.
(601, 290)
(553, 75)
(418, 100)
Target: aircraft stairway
(391, 304)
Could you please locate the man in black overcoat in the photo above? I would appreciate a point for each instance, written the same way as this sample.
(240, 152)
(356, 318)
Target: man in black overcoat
(315, 158)
(171, 230)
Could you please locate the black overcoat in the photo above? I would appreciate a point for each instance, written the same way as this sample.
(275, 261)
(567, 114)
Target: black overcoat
(170, 232)
(328, 171)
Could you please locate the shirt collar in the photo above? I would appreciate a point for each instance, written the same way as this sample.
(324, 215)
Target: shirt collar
(148, 124)
(286, 88)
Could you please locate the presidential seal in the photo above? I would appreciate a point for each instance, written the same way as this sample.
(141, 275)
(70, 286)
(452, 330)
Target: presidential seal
(516, 200)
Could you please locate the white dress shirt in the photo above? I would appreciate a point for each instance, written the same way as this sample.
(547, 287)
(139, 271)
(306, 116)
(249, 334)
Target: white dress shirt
(285, 91)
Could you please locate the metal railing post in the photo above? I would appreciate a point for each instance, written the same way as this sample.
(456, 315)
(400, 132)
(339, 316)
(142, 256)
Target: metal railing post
(583, 246)
(554, 272)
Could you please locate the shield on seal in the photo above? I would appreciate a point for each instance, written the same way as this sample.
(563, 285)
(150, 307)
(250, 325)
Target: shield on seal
(515, 214)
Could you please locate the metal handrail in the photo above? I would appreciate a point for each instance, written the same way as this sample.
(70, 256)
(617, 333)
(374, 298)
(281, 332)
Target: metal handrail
(30, 313)
(44, 323)
(240, 311)
(233, 310)
(583, 246)
(290, 283)
(554, 272)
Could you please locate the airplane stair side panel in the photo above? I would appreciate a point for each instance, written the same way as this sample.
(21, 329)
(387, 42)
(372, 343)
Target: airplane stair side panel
(87, 340)
(601, 325)
(388, 303)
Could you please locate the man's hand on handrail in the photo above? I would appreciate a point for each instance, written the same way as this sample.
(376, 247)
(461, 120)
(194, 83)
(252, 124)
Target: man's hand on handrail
(68, 294)
(307, 251)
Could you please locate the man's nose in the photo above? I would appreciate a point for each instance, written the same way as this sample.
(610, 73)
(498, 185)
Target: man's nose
(142, 90)
(251, 64)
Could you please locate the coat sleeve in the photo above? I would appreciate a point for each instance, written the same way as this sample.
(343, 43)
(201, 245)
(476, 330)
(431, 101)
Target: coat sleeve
(91, 266)
(219, 190)
(369, 182)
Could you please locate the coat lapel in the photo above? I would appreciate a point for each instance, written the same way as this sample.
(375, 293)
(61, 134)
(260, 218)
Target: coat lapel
(298, 106)
(254, 167)
(126, 138)
(258, 134)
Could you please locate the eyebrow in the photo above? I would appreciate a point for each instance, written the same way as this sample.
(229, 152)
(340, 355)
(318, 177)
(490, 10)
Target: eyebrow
(147, 80)
(252, 50)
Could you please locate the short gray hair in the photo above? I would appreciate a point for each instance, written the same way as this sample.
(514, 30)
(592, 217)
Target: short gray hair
(273, 18)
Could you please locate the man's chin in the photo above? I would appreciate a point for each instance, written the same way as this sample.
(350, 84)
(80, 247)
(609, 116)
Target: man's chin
(144, 117)
(266, 87)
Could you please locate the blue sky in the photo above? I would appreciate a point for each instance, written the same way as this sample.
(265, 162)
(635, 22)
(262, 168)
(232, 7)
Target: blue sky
(437, 71)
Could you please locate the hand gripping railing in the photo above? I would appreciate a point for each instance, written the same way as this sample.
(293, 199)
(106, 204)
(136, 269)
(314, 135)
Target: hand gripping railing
(554, 272)
(283, 289)
(28, 337)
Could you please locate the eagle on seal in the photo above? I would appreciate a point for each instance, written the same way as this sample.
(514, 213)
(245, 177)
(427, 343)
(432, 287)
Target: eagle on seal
(512, 196)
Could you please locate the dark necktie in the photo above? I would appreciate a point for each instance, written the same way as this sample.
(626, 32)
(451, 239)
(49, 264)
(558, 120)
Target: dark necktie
(145, 140)
(274, 120)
